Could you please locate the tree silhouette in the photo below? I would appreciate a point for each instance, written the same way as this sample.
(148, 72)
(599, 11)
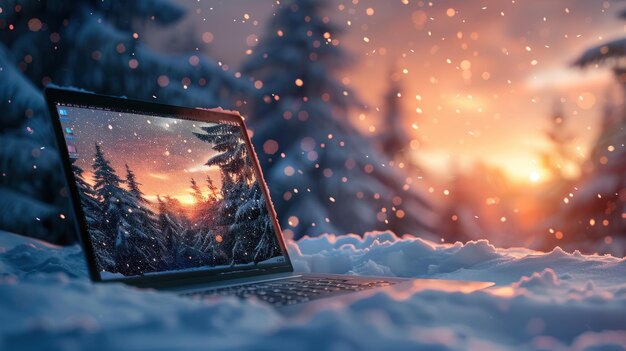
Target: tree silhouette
(394, 139)
(339, 179)
(198, 197)
(596, 212)
(213, 190)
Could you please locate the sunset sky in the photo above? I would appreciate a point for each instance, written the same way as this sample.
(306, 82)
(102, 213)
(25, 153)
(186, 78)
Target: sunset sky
(480, 78)
(162, 152)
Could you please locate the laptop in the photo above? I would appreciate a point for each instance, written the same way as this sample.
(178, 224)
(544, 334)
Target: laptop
(173, 198)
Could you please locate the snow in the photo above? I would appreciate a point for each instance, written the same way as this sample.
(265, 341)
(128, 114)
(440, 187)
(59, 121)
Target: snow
(551, 301)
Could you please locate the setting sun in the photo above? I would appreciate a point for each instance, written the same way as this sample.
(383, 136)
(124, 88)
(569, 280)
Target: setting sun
(534, 176)
(185, 199)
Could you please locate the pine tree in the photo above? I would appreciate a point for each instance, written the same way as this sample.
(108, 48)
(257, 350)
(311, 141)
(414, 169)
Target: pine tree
(197, 193)
(319, 168)
(213, 191)
(232, 158)
(394, 139)
(93, 213)
(169, 230)
(107, 188)
(245, 217)
(205, 222)
(234, 196)
(266, 243)
(234, 164)
(121, 221)
(144, 231)
(180, 245)
(560, 159)
(596, 211)
(32, 200)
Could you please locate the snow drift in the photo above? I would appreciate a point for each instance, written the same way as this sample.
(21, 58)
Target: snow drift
(554, 300)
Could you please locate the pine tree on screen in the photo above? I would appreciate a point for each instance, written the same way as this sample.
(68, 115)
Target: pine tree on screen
(234, 197)
(266, 246)
(106, 186)
(319, 168)
(181, 249)
(144, 231)
(202, 213)
(238, 205)
(198, 197)
(213, 191)
(206, 229)
(232, 154)
(93, 213)
(245, 226)
(121, 222)
(169, 229)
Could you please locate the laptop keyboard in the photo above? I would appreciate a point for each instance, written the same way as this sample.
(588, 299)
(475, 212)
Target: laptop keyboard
(291, 291)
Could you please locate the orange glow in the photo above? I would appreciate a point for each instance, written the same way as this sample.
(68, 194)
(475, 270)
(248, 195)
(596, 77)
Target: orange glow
(534, 176)
(185, 199)
(505, 291)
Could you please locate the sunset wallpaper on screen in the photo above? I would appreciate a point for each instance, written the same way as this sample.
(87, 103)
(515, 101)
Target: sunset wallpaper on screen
(163, 194)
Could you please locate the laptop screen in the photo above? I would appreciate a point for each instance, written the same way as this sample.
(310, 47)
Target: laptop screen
(163, 195)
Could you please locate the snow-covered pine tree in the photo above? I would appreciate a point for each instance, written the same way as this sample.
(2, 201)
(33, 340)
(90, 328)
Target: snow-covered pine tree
(232, 158)
(396, 146)
(98, 46)
(123, 230)
(596, 212)
(231, 200)
(208, 245)
(248, 223)
(206, 213)
(593, 219)
(169, 229)
(237, 175)
(265, 238)
(32, 199)
(180, 246)
(320, 169)
(93, 215)
(107, 187)
(144, 231)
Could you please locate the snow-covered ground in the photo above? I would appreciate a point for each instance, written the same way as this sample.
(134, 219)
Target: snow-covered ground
(548, 301)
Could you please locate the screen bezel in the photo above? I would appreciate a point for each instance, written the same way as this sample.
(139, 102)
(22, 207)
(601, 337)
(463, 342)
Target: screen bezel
(56, 96)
